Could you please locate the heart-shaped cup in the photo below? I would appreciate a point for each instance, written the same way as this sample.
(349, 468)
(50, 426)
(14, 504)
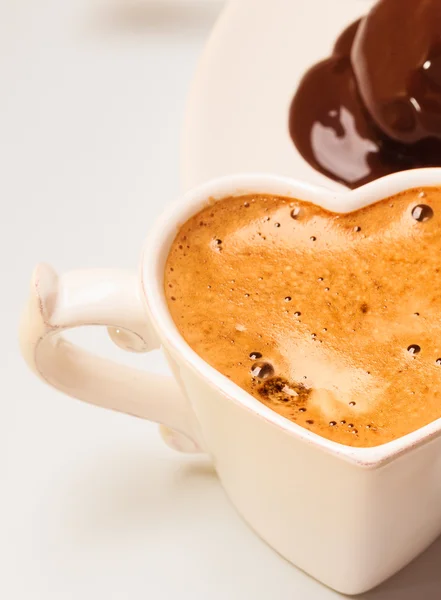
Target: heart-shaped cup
(351, 517)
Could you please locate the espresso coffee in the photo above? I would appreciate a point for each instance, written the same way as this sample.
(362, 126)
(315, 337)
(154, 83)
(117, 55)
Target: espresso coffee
(332, 320)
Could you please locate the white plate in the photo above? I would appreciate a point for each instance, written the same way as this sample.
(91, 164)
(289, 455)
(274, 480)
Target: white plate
(237, 120)
(237, 112)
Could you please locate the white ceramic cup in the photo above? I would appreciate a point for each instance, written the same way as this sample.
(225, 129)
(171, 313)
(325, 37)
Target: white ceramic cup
(350, 517)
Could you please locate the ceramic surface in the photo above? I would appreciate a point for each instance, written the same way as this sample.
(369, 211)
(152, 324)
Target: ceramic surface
(350, 517)
(237, 111)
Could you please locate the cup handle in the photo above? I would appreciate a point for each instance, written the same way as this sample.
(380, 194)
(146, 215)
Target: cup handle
(111, 298)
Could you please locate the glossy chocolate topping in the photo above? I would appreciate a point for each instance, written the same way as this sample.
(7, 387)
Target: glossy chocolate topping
(396, 58)
(374, 106)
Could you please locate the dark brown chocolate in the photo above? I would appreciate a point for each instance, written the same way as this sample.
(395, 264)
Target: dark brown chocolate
(374, 106)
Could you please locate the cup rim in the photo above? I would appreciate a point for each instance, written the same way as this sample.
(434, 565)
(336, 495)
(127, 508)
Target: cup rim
(156, 250)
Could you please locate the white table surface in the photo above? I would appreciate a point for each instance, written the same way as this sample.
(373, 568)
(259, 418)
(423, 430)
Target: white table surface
(93, 505)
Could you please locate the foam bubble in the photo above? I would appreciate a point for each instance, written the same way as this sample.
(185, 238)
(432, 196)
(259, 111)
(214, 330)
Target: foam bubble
(422, 213)
(262, 370)
(414, 349)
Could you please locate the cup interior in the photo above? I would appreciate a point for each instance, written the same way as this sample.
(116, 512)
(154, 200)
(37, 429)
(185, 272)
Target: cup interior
(155, 255)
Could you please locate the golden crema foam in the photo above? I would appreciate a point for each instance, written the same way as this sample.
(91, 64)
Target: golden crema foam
(332, 320)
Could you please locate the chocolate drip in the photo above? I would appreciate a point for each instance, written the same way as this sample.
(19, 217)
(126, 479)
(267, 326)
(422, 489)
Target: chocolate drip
(374, 106)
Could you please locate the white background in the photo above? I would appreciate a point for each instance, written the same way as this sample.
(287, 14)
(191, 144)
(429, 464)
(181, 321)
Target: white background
(93, 504)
